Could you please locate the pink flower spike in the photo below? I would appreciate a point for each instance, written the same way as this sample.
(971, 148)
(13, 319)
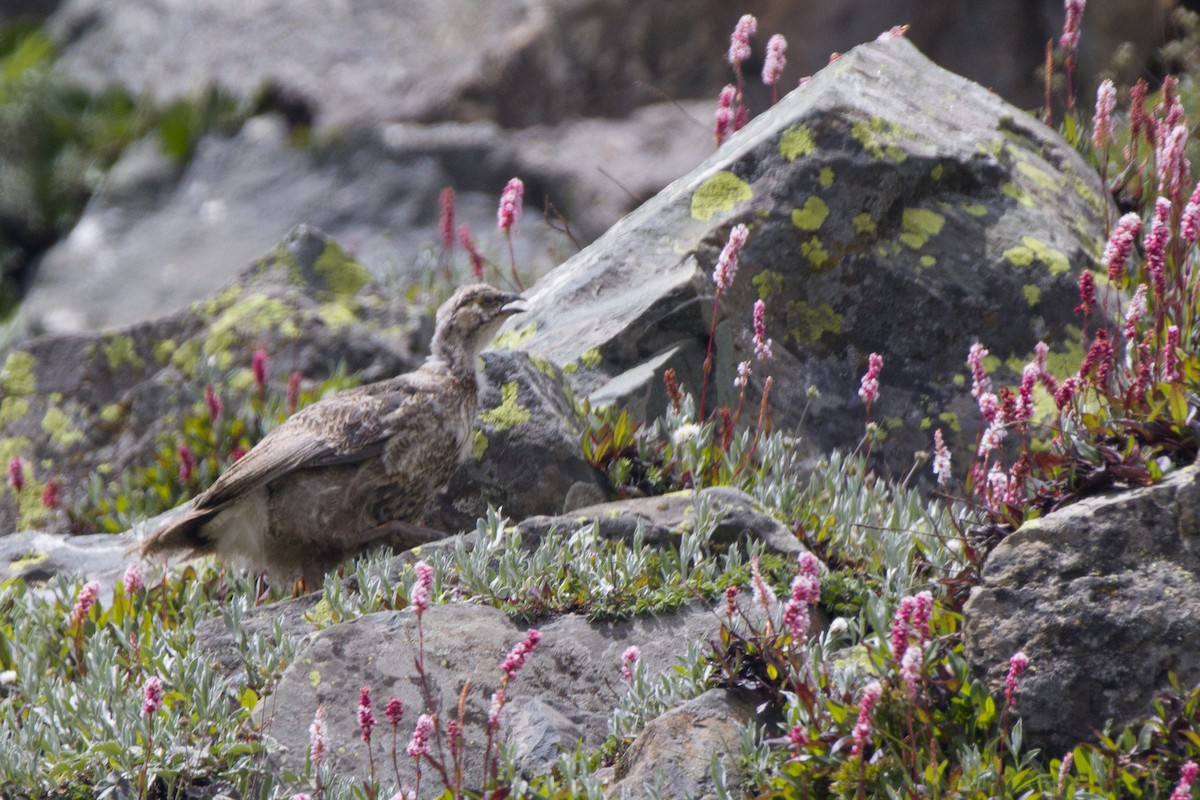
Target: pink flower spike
(446, 219)
(133, 581)
(731, 593)
(910, 668)
(1069, 40)
(862, 727)
(743, 377)
(1106, 103)
(318, 738)
(213, 402)
(1120, 245)
(50, 495)
(775, 62)
(723, 125)
(1171, 356)
(980, 382)
(1187, 776)
(1189, 223)
(739, 41)
(419, 744)
(366, 719)
(1016, 665)
(293, 392)
(516, 657)
(464, 236)
(1087, 293)
(869, 387)
(394, 711)
(941, 459)
(727, 262)
(511, 202)
(496, 711)
(153, 694)
(16, 474)
(187, 462)
(88, 593)
(422, 589)
(762, 345)
(259, 365)
(628, 659)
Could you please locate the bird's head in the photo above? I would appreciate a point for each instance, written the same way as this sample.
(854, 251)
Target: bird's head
(469, 319)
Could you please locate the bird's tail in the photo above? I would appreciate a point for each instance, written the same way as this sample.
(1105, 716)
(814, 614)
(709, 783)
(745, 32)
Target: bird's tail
(179, 534)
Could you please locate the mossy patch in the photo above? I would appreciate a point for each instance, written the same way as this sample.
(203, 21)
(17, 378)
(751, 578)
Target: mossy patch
(511, 339)
(936, 172)
(335, 315)
(928, 261)
(16, 376)
(510, 413)
(13, 409)
(919, 226)
(120, 350)
(340, 273)
(950, 420)
(591, 358)
(863, 223)
(812, 215)
(479, 444)
(796, 141)
(1042, 179)
(1017, 193)
(815, 252)
(807, 324)
(974, 209)
(27, 561)
(253, 314)
(58, 426)
(720, 193)
(1033, 295)
(12, 446)
(882, 138)
(825, 177)
(221, 301)
(186, 358)
(1031, 250)
(543, 366)
(163, 350)
(768, 282)
(112, 413)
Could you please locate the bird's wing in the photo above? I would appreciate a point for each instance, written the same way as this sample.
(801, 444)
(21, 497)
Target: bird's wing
(343, 428)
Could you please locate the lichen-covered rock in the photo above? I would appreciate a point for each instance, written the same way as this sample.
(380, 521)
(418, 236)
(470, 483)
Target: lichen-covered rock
(893, 207)
(575, 671)
(86, 409)
(663, 519)
(526, 457)
(1104, 598)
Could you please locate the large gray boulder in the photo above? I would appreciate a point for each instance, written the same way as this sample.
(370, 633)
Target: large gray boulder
(893, 207)
(1104, 598)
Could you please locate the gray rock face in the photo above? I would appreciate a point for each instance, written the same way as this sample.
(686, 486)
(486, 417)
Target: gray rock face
(35, 557)
(79, 406)
(1102, 598)
(663, 519)
(512, 62)
(674, 753)
(526, 456)
(574, 672)
(893, 208)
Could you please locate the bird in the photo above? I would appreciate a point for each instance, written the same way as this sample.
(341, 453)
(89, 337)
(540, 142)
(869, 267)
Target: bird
(354, 469)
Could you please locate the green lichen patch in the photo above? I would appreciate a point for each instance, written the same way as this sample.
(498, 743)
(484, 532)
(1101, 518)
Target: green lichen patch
(16, 376)
(1033, 295)
(882, 138)
(120, 350)
(340, 273)
(253, 314)
(812, 215)
(219, 302)
(112, 413)
(1040, 177)
(1031, 250)
(591, 358)
(863, 223)
(936, 172)
(950, 420)
(59, 428)
(13, 409)
(807, 324)
(186, 358)
(825, 177)
(1017, 193)
(719, 194)
(928, 261)
(335, 315)
(815, 252)
(479, 445)
(768, 282)
(512, 339)
(27, 561)
(13, 446)
(163, 350)
(974, 209)
(796, 141)
(919, 226)
(510, 413)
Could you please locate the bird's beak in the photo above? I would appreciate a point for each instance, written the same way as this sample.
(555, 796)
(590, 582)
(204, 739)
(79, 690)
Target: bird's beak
(509, 300)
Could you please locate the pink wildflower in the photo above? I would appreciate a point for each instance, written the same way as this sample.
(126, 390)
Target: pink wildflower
(446, 219)
(862, 726)
(1064, 770)
(1171, 357)
(989, 407)
(1155, 243)
(1135, 312)
(762, 345)
(1187, 776)
(496, 711)
(628, 659)
(422, 589)
(1106, 103)
(516, 656)
(997, 485)
(88, 593)
(1189, 223)
(741, 117)
(723, 125)
(153, 694)
(1040, 351)
(419, 744)
(1140, 122)
(1066, 392)
(133, 581)
(464, 236)
(259, 366)
(187, 462)
(980, 382)
(910, 668)
(1171, 162)
(1087, 293)
(511, 204)
(762, 593)
(731, 593)
(869, 387)
(727, 262)
(213, 402)
(797, 737)
(318, 738)
(743, 377)
(774, 63)
(941, 458)
(366, 719)
(739, 41)
(1069, 40)
(1024, 409)
(394, 711)
(993, 437)
(1120, 244)
(50, 495)
(16, 474)
(1016, 665)
(293, 392)
(1099, 357)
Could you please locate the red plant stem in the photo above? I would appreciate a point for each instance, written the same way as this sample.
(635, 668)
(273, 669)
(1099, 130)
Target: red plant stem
(712, 333)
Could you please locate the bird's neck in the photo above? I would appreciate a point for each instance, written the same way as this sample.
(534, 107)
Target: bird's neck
(458, 362)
